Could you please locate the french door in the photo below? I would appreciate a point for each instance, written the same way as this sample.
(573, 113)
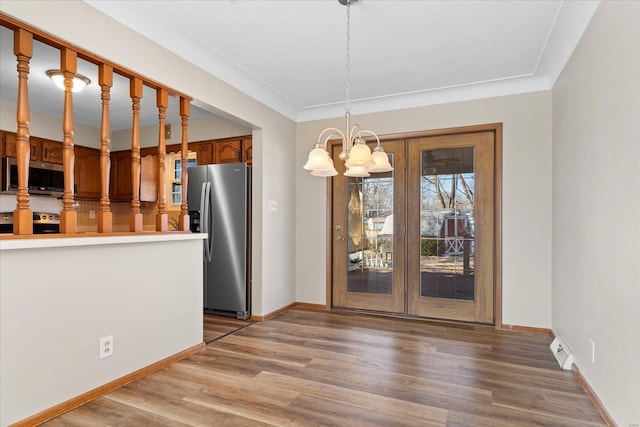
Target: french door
(419, 240)
(367, 214)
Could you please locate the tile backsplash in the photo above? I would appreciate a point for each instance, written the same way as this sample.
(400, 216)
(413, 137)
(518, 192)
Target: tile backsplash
(36, 203)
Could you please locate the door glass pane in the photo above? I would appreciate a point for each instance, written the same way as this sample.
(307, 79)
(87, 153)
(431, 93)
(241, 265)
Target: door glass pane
(447, 186)
(370, 233)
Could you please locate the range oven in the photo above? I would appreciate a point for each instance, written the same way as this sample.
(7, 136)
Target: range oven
(43, 223)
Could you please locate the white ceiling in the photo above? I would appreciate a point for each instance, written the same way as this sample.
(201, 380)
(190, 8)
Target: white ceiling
(290, 54)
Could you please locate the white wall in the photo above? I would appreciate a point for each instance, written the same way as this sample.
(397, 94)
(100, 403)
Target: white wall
(49, 127)
(596, 207)
(274, 273)
(526, 196)
(55, 310)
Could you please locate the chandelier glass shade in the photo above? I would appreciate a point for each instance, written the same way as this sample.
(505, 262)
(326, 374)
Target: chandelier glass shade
(356, 154)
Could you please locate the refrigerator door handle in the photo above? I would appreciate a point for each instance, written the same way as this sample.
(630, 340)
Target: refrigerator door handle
(204, 216)
(209, 219)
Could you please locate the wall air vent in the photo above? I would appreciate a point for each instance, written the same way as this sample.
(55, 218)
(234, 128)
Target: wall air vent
(562, 353)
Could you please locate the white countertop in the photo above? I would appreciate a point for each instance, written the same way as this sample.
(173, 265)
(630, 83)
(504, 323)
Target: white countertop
(11, 242)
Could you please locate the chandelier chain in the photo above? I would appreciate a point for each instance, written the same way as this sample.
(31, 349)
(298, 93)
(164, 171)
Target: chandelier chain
(359, 161)
(348, 87)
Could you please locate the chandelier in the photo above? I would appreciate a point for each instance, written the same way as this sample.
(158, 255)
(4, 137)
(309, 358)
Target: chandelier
(356, 154)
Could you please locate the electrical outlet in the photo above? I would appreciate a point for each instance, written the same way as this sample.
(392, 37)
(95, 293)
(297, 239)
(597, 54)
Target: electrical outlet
(106, 346)
(592, 350)
(92, 214)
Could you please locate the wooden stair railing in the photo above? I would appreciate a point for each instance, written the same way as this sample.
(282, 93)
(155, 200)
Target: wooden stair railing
(105, 217)
(23, 215)
(68, 216)
(135, 216)
(162, 218)
(23, 49)
(183, 219)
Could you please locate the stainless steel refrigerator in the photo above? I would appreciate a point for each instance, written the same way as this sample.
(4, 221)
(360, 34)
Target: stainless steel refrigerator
(218, 197)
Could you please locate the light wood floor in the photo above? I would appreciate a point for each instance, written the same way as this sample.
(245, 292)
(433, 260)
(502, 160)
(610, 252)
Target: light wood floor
(321, 368)
(216, 327)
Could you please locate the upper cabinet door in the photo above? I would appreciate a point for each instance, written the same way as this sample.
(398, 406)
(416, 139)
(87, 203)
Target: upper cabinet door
(11, 146)
(247, 150)
(149, 178)
(204, 153)
(229, 151)
(52, 151)
(87, 173)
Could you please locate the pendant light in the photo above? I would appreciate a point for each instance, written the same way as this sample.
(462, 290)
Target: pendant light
(356, 154)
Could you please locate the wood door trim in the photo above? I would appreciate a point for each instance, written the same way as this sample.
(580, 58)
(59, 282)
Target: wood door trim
(497, 226)
(329, 241)
(491, 127)
(497, 129)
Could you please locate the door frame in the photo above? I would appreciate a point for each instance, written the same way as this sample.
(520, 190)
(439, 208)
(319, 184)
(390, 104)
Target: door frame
(496, 128)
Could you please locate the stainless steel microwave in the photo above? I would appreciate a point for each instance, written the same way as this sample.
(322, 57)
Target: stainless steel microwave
(44, 178)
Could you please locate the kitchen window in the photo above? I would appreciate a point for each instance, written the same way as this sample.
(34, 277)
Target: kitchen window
(174, 172)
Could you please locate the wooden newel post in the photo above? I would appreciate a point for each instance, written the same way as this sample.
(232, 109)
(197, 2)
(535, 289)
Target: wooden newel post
(23, 216)
(183, 220)
(68, 216)
(135, 217)
(162, 218)
(105, 217)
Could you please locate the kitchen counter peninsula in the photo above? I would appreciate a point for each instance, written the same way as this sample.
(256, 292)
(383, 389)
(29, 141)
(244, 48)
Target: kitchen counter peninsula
(32, 241)
(60, 294)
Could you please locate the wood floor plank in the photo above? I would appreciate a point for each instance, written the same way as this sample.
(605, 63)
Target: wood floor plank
(108, 413)
(407, 412)
(307, 367)
(216, 326)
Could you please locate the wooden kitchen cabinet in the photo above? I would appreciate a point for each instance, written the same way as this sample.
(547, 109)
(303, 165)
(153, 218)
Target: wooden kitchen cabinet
(120, 186)
(3, 144)
(36, 149)
(149, 178)
(87, 173)
(204, 153)
(228, 151)
(11, 143)
(52, 151)
(247, 150)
